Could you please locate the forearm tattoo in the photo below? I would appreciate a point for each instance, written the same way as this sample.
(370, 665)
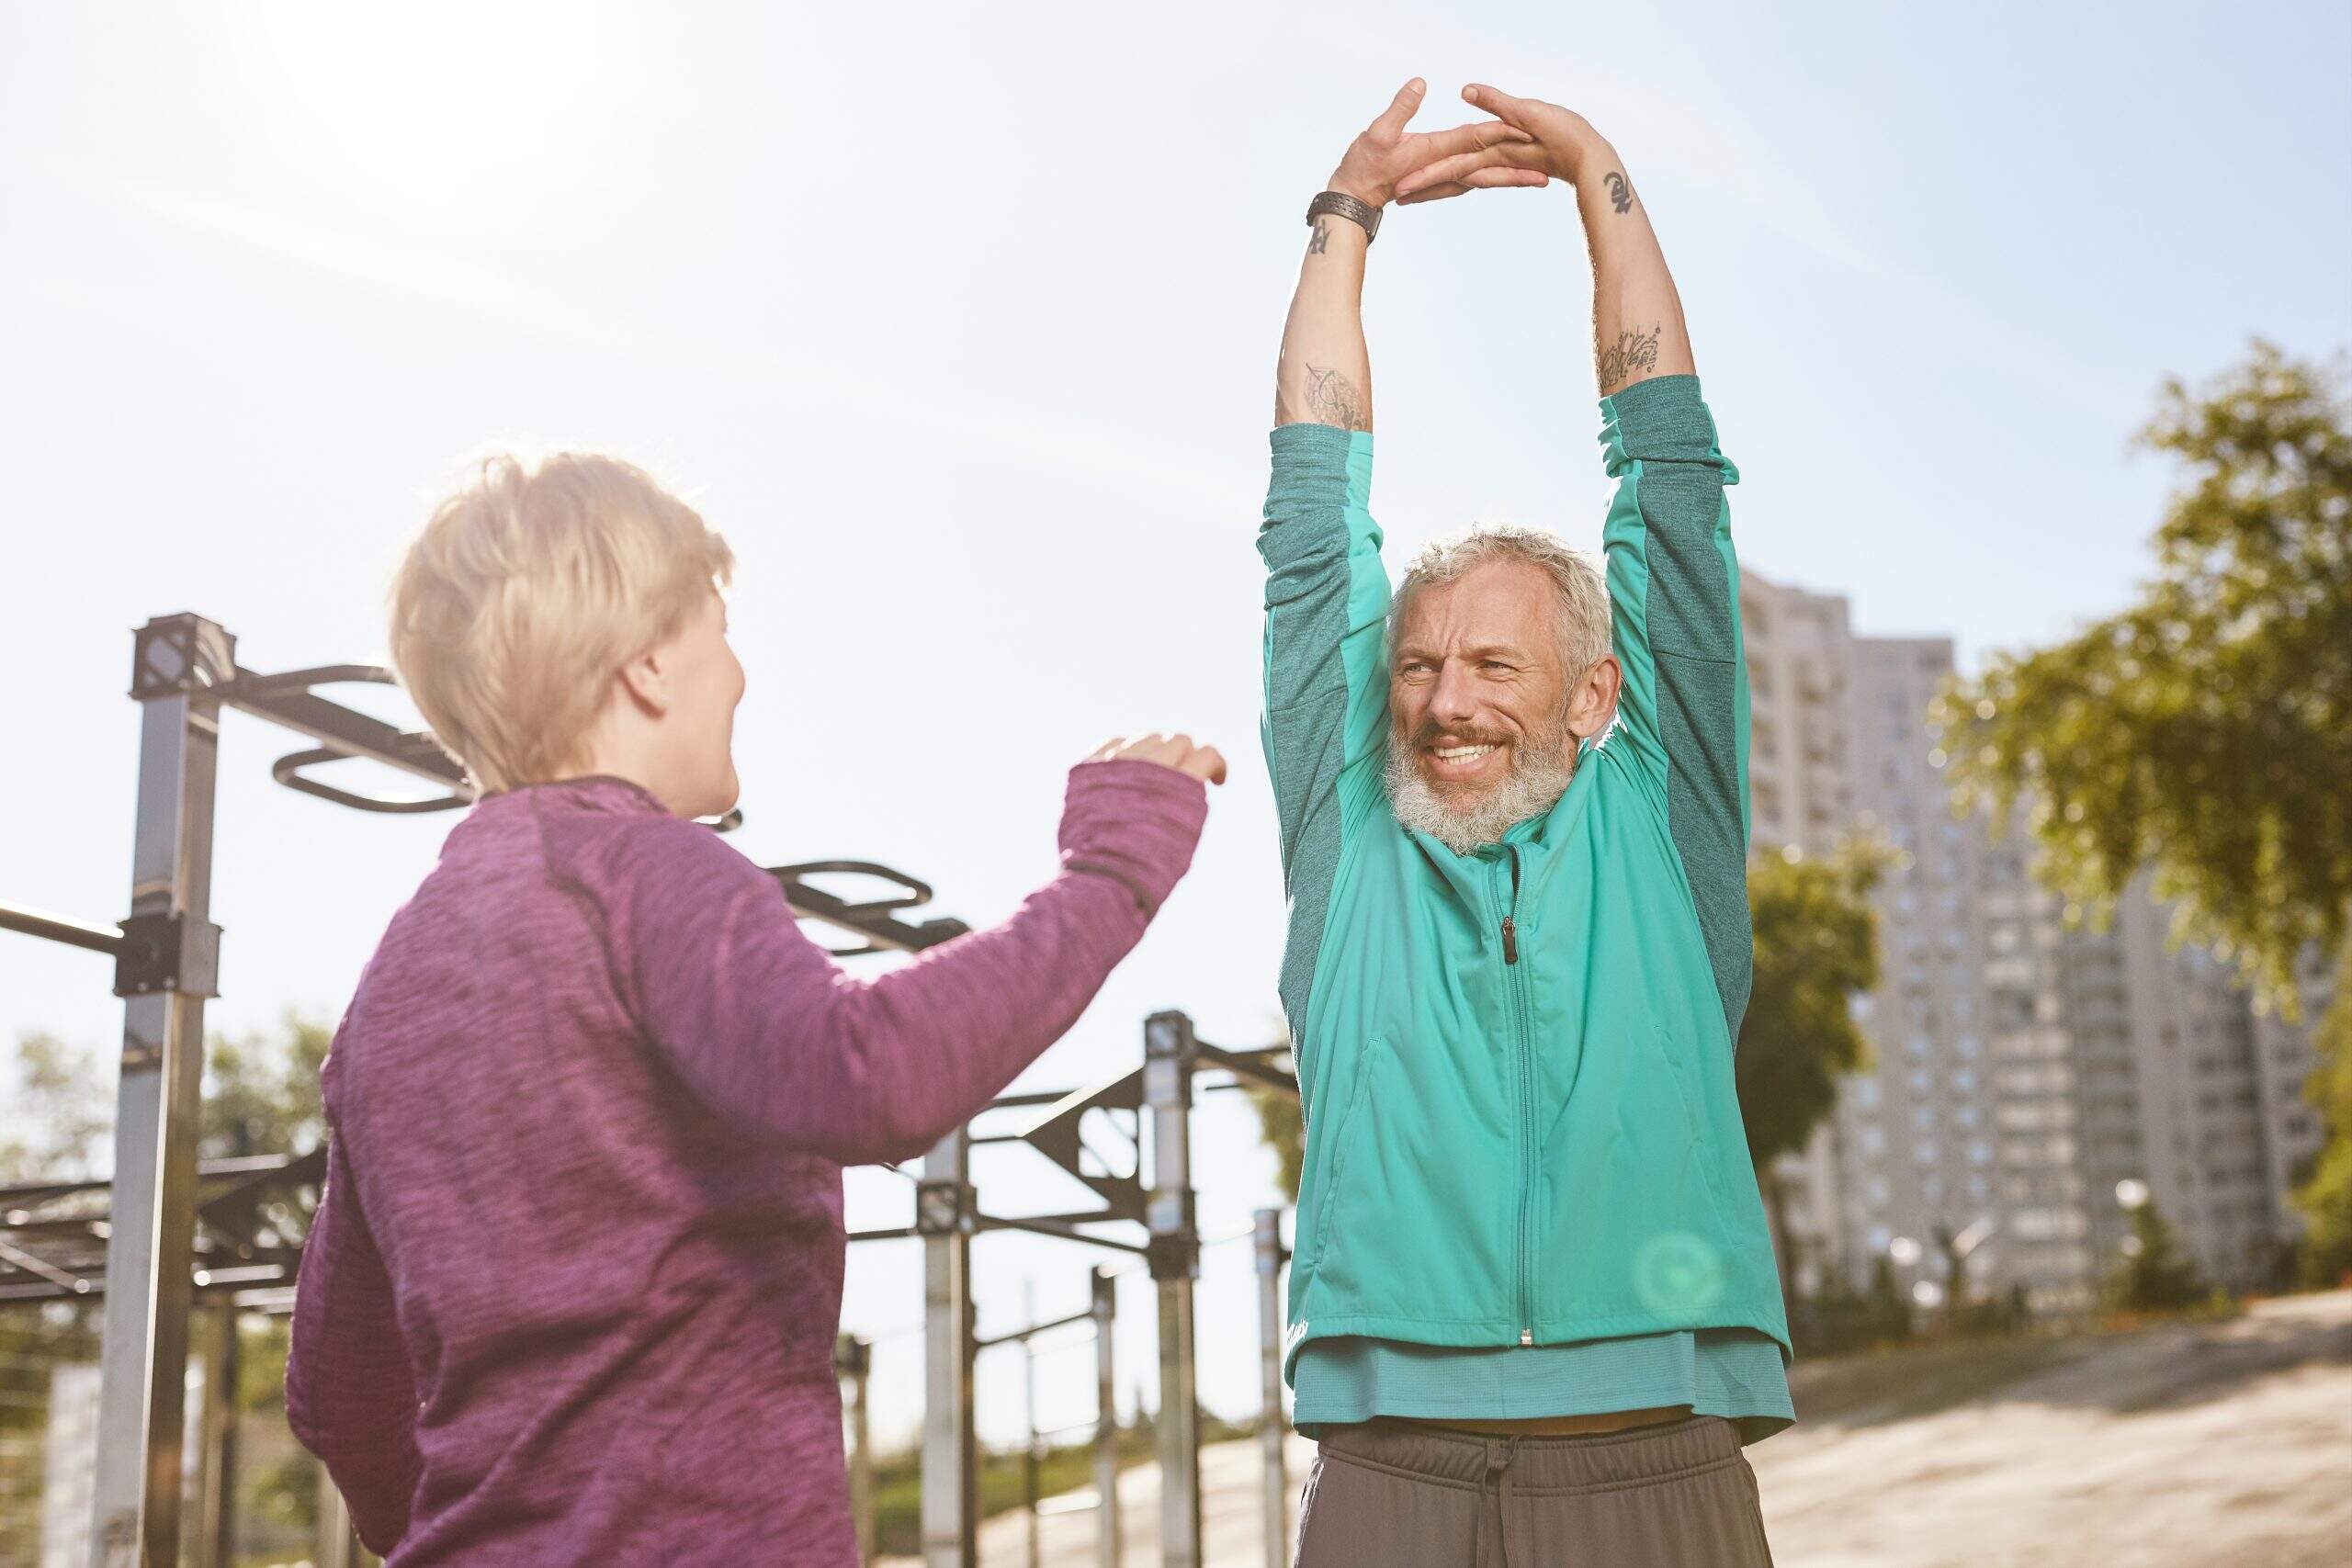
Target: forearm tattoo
(1620, 194)
(1631, 352)
(1332, 399)
(1320, 238)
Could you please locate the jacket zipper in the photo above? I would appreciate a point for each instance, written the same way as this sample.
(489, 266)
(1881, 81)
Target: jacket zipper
(1524, 1067)
(1510, 916)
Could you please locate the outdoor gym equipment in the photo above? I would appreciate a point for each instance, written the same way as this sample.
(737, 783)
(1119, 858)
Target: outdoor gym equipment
(155, 1262)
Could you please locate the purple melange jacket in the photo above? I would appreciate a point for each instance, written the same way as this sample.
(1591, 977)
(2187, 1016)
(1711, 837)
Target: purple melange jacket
(571, 1293)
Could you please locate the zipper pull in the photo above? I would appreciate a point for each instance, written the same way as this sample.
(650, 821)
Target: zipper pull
(1527, 1337)
(1510, 924)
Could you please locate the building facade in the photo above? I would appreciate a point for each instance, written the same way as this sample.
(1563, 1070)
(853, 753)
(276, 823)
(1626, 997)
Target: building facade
(2025, 1065)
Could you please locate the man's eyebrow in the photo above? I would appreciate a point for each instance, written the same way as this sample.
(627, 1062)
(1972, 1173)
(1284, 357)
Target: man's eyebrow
(1510, 651)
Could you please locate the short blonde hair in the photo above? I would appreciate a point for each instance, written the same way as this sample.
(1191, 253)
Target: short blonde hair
(529, 588)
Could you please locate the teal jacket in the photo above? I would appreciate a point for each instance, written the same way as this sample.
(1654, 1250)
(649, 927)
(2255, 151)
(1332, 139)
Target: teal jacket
(1529, 1138)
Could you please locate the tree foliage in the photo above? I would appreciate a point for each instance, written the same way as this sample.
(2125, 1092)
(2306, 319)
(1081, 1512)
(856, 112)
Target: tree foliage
(60, 1116)
(1817, 950)
(261, 1091)
(2327, 1198)
(2155, 1275)
(1283, 1124)
(2205, 731)
(261, 1096)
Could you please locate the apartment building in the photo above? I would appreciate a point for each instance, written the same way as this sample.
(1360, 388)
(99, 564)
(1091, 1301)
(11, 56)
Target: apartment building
(1799, 649)
(2186, 1085)
(2025, 1066)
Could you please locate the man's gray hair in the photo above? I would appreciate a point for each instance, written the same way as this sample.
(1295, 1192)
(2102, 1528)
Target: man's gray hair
(1577, 585)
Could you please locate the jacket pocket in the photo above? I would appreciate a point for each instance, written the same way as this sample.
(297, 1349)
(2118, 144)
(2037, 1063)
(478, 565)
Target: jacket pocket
(1678, 1072)
(1335, 1168)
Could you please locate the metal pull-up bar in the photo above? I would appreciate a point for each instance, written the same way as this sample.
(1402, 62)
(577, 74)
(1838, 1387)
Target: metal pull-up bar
(184, 672)
(108, 940)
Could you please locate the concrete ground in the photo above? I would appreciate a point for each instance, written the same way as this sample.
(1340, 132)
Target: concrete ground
(2214, 1445)
(2221, 1445)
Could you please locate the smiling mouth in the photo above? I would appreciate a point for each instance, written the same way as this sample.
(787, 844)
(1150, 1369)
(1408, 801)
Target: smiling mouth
(1459, 761)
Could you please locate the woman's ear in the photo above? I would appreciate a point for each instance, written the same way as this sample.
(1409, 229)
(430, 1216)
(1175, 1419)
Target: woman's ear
(645, 680)
(1594, 702)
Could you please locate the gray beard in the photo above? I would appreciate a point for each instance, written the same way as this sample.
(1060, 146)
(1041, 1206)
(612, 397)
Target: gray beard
(1537, 779)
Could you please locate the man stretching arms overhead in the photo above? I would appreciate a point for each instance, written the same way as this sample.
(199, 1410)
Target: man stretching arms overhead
(1534, 1311)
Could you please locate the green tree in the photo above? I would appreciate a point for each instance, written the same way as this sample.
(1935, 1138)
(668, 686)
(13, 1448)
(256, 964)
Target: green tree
(1888, 1312)
(61, 1115)
(1817, 950)
(2155, 1275)
(1283, 1127)
(2326, 1197)
(2204, 732)
(261, 1090)
(261, 1096)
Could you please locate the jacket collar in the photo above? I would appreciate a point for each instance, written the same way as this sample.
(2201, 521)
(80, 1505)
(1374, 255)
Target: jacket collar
(589, 792)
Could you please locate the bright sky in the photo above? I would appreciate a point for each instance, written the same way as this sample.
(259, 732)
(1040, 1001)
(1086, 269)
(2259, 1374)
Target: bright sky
(960, 321)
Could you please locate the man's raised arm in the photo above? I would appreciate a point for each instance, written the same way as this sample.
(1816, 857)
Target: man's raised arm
(1673, 577)
(1327, 596)
(1637, 329)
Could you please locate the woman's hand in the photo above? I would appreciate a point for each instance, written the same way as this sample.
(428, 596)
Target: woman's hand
(1379, 161)
(1203, 762)
(1556, 142)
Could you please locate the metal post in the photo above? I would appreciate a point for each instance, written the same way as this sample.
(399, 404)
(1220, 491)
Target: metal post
(177, 662)
(853, 1358)
(1106, 1423)
(214, 1544)
(944, 1217)
(1175, 1256)
(338, 1543)
(1269, 1243)
(1029, 1416)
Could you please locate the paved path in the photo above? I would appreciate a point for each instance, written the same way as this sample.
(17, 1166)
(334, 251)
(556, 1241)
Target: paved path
(1232, 1528)
(2221, 1445)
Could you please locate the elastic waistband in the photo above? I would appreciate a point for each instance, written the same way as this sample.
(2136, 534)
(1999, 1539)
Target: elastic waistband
(1604, 1459)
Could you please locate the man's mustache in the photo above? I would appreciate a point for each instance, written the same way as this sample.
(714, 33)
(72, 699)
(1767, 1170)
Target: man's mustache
(1429, 733)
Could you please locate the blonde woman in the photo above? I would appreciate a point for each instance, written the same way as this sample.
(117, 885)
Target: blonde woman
(571, 1291)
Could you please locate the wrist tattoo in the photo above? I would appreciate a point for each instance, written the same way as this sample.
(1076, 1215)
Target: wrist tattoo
(1332, 399)
(1320, 238)
(1620, 194)
(1631, 352)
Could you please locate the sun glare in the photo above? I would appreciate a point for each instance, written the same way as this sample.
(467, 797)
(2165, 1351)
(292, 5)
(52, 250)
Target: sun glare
(428, 101)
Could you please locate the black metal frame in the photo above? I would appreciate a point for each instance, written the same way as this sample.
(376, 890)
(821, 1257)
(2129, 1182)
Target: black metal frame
(164, 957)
(57, 1243)
(167, 1213)
(53, 1234)
(170, 952)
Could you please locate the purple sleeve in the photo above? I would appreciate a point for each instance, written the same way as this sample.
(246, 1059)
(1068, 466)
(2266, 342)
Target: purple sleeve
(349, 1396)
(768, 1031)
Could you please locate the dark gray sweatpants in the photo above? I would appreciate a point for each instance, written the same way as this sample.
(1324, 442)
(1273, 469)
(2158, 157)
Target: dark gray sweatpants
(1403, 1495)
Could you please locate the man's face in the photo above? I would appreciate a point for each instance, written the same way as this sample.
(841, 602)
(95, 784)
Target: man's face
(1476, 694)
